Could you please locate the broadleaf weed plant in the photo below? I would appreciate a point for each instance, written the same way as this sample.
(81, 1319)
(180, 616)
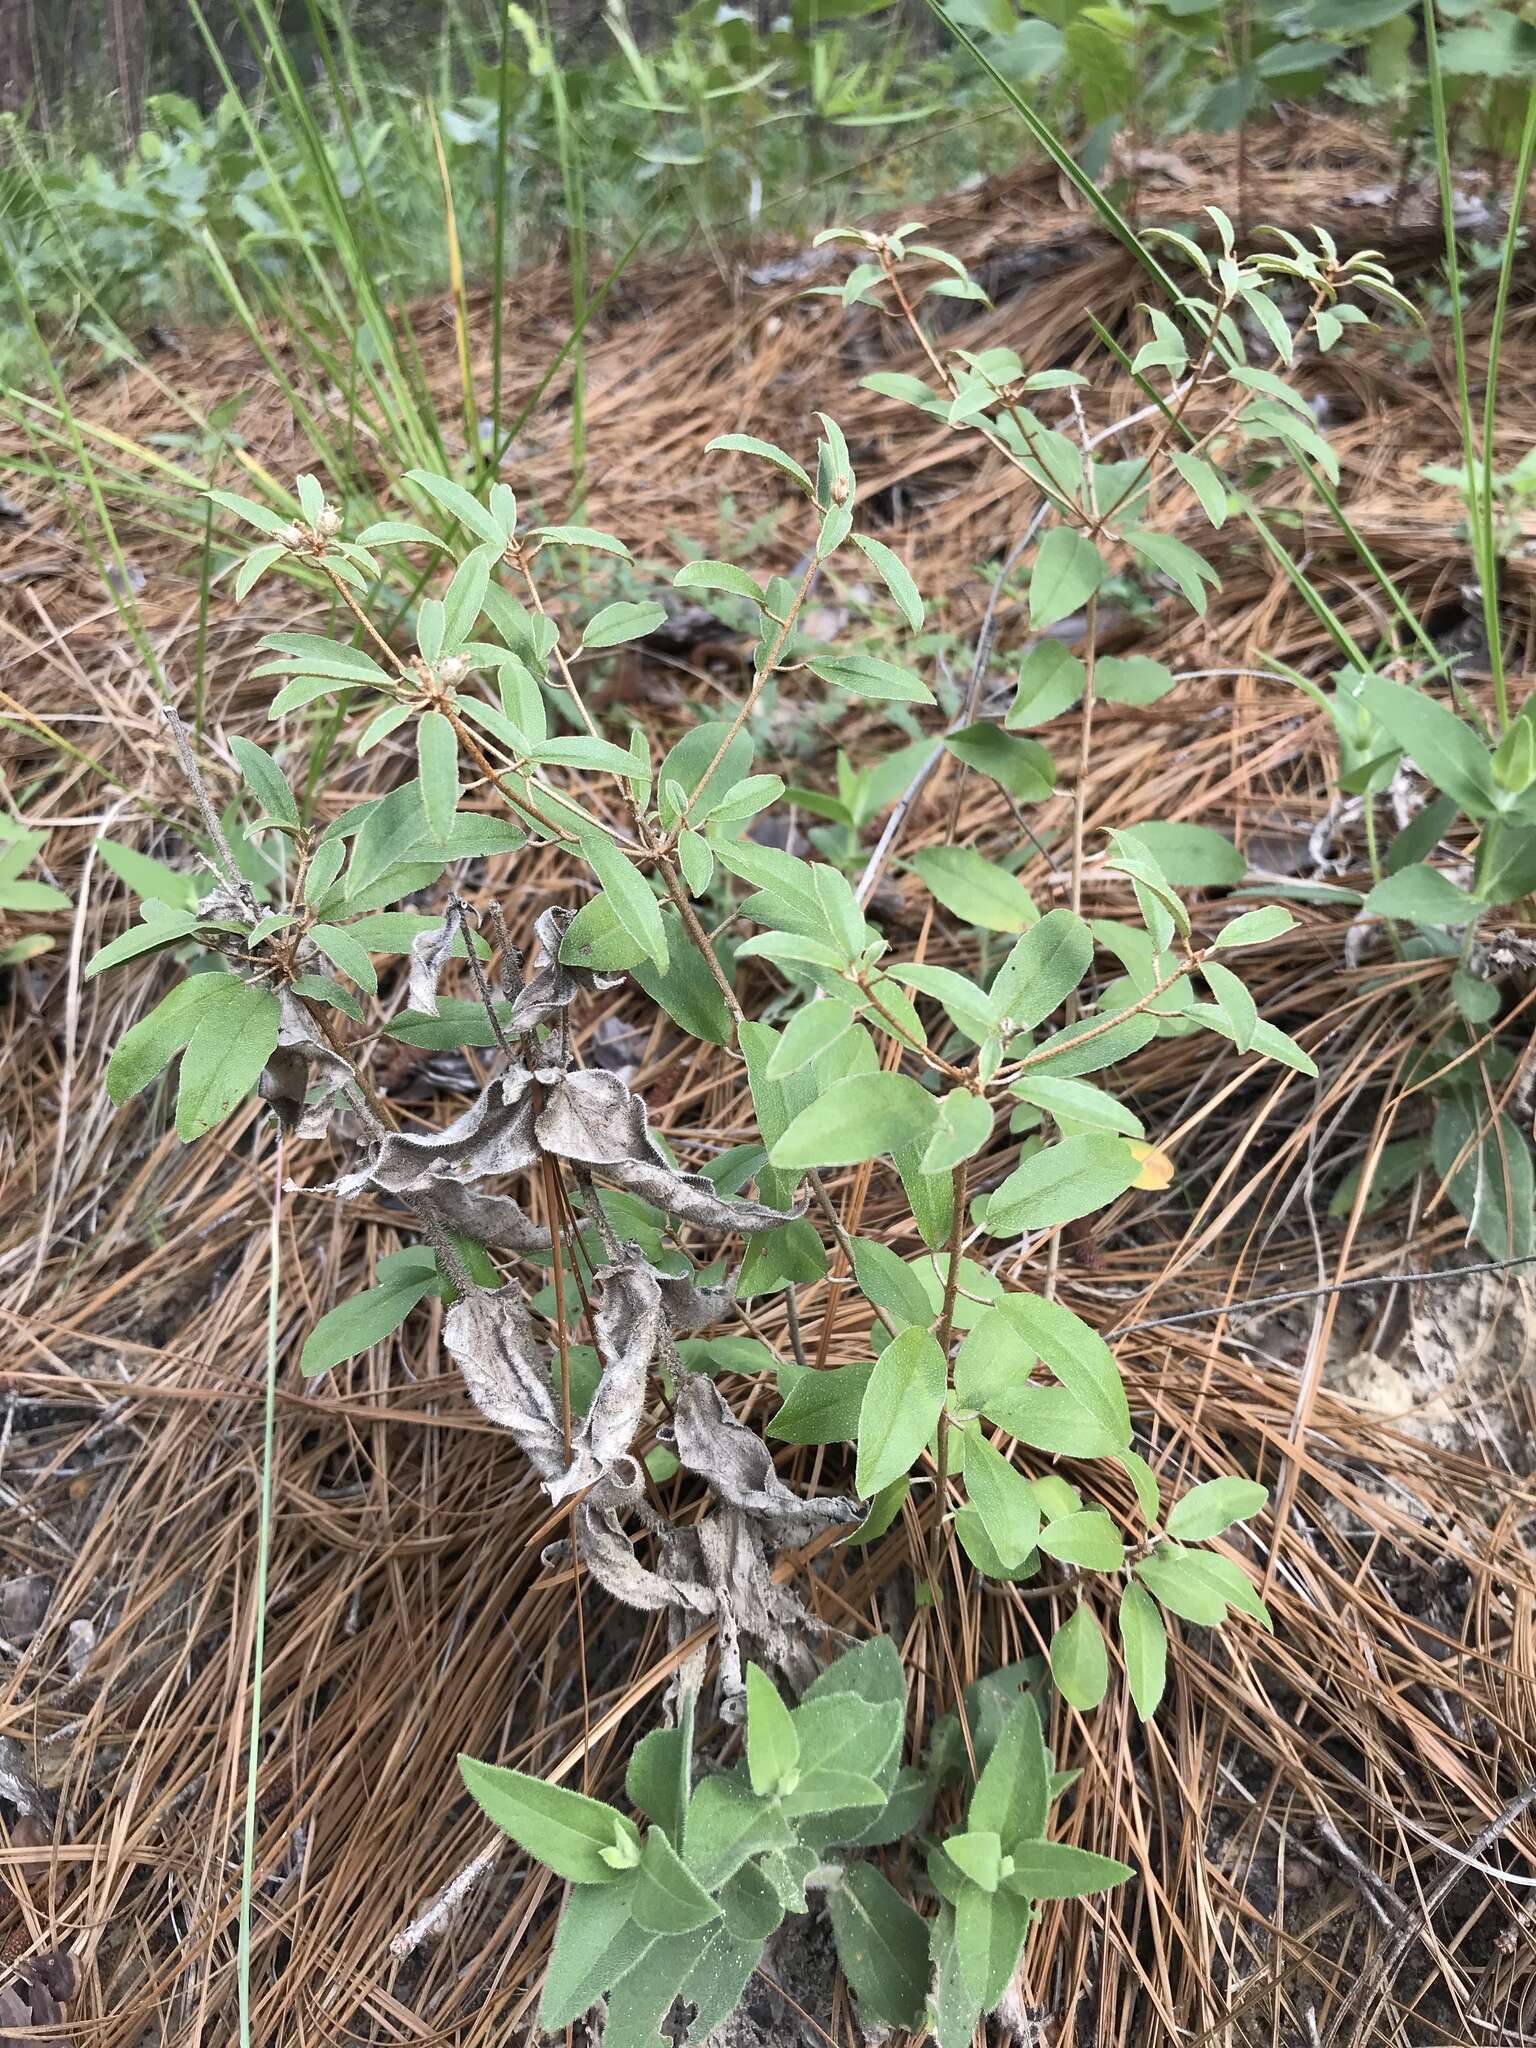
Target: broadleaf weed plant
(989, 1419)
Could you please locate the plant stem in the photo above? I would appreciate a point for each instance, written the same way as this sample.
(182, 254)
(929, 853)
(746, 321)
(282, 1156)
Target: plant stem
(959, 1184)
(1084, 737)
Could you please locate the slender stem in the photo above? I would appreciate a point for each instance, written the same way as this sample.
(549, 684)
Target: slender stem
(263, 1556)
(759, 681)
(696, 932)
(959, 1187)
(1084, 739)
(1097, 1030)
(844, 1242)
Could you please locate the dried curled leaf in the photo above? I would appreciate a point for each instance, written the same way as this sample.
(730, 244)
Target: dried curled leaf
(627, 1322)
(491, 1338)
(493, 1136)
(737, 1465)
(429, 956)
(554, 986)
(492, 1220)
(592, 1119)
(286, 1079)
(716, 1570)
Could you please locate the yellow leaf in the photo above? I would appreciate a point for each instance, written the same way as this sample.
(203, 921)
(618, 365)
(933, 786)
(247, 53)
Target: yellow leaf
(1156, 1167)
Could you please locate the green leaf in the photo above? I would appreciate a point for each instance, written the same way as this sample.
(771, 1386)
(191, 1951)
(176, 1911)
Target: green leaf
(657, 1779)
(262, 517)
(848, 1751)
(1501, 1217)
(687, 991)
(1013, 1792)
(1423, 894)
(1057, 1870)
(895, 575)
(459, 504)
(990, 1931)
(791, 1256)
(964, 1126)
(437, 754)
(148, 937)
(748, 444)
(866, 675)
(617, 623)
(725, 1826)
(1079, 1660)
(807, 1035)
(900, 1407)
(629, 894)
(1073, 1051)
(979, 1855)
(1066, 1180)
(822, 1407)
(563, 1829)
(890, 1283)
(773, 1746)
(1041, 971)
(856, 1119)
(976, 891)
(1448, 752)
(1078, 1102)
(1235, 1003)
(967, 1007)
(362, 1321)
(1207, 1510)
(391, 931)
(1191, 856)
(596, 1943)
(1022, 767)
(1254, 927)
(265, 780)
(882, 1946)
(346, 955)
(1188, 1594)
(1204, 481)
(1002, 1496)
(1068, 570)
(719, 576)
(235, 1037)
(1051, 682)
(1179, 563)
(147, 1048)
(1132, 679)
(1088, 1538)
(1077, 1355)
(1144, 1641)
(668, 1899)
(589, 537)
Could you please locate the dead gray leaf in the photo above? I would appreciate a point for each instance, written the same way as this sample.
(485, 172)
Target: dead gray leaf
(737, 1465)
(493, 1136)
(627, 1324)
(493, 1220)
(491, 1338)
(285, 1082)
(429, 956)
(554, 986)
(592, 1119)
